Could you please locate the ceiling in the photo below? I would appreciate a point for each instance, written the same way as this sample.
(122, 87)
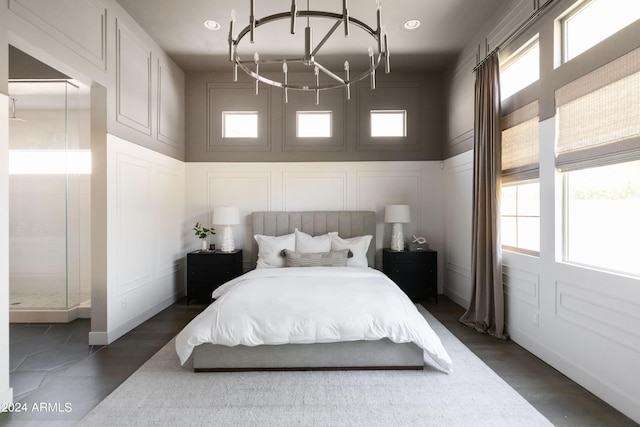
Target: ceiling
(446, 26)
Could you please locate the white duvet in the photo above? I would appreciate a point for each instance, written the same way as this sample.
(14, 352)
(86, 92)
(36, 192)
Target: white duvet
(302, 305)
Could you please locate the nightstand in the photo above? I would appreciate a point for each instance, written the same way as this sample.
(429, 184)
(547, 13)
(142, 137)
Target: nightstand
(416, 272)
(207, 270)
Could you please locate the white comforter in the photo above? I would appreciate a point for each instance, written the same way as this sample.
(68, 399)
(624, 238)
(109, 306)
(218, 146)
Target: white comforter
(301, 305)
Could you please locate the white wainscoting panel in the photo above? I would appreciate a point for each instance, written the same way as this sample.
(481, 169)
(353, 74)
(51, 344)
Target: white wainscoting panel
(521, 284)
(614, 318)
(297, 196)
(145, 211)
(249, 191)
(457, 210)
(133, 221)
(315, 186)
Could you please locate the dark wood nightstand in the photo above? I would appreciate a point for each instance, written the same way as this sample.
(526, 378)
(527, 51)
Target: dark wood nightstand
(416, 272)
(206, 270)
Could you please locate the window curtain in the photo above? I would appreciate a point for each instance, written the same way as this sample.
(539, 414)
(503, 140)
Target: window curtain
(486, 309)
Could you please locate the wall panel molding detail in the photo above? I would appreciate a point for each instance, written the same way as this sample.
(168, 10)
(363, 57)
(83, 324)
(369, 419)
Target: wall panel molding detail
(133, 81)
(238, 97)
(170, 106)
(168, 180)
(86, 37)
(521, 284)
(133, 210)
(296, 194)
(610, 317)
(459, 269)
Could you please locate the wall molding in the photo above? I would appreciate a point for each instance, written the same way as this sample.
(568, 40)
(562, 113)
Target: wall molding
(133, 81)
(600, 313)
(85, 37)
(521, 284)
(129, 234)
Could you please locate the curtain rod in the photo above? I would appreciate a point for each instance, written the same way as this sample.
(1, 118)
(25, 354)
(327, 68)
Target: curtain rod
(515, 32)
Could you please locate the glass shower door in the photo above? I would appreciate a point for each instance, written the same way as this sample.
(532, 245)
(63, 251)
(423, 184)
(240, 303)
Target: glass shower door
(49, 196)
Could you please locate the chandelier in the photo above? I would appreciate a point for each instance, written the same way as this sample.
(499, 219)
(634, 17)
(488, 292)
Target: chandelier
(337, 79)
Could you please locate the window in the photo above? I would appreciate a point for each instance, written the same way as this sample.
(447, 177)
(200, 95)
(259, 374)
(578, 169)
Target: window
(520, 69)
(594, 21)
(388, 123)
(313, 124)
(239, 124)
(598, 152)
(602, 211)
(520, 216)
(520, 207)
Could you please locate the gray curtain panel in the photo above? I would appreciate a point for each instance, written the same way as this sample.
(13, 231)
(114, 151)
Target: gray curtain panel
(486, 309)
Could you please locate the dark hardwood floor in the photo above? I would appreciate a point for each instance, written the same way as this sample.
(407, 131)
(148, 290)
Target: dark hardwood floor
(53, 365)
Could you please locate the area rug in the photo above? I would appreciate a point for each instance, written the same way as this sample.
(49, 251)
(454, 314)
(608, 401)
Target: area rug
(163, 393)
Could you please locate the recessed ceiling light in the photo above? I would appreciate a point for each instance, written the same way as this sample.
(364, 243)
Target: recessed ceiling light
(412, 24)
(212, 25)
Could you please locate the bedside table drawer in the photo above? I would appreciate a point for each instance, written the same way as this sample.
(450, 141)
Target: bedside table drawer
(415, 272)
(206, 271)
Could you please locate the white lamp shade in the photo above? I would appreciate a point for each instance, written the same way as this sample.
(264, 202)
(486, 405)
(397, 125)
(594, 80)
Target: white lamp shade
(226, 215)
(397, 214)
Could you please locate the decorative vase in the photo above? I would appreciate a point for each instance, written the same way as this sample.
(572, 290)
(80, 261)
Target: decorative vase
(204, 244)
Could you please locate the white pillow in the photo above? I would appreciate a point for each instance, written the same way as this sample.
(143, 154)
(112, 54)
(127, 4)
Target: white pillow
(358, 245)
(308, 243)
(270, 247)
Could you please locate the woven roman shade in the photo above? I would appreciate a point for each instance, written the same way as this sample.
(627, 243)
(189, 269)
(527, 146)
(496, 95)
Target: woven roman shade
(521, 144)
(598, 116)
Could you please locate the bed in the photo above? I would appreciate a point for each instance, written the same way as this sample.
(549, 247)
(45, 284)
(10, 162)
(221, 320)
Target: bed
(306, 308)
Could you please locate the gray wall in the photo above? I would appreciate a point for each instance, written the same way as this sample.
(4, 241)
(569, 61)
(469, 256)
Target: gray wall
(208, 94)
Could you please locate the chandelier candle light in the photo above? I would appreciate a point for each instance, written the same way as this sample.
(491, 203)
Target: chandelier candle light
(343, 19)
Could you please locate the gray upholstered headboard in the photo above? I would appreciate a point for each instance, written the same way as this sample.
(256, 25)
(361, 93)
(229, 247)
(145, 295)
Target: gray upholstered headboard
(346, 223)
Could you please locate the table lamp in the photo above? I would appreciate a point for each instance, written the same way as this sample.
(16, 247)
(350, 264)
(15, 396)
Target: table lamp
(397, 215)
(226, 216)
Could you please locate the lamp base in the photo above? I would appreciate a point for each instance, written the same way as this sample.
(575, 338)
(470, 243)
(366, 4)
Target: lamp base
(397, 237)
(227, 240)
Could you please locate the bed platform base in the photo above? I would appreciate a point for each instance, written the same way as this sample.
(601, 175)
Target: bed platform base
(352, 355)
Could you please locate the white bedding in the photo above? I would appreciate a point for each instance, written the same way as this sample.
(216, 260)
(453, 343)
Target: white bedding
(302, 305)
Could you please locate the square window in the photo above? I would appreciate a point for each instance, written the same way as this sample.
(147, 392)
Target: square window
(313, 124)
(239, 124)
(388, 123)
(520, 216)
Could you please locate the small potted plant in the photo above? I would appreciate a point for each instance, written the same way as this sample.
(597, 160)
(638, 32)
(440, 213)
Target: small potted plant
(202, 233)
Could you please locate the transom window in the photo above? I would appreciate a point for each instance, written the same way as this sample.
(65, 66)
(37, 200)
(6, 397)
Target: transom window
(593, 21)
(313, 124)
(388, 123)
(239, 124)
(520, 69)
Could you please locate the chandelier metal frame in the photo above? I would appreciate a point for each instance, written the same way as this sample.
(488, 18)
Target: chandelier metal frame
(342, 19)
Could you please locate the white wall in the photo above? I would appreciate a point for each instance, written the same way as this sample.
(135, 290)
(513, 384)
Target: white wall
(317, 186)
(581, 321)
(145, 254)
(6, 393)
(458, 194)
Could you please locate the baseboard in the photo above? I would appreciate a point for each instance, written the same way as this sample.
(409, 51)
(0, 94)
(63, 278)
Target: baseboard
(462, 302)
(106, 338)
(623, 402)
